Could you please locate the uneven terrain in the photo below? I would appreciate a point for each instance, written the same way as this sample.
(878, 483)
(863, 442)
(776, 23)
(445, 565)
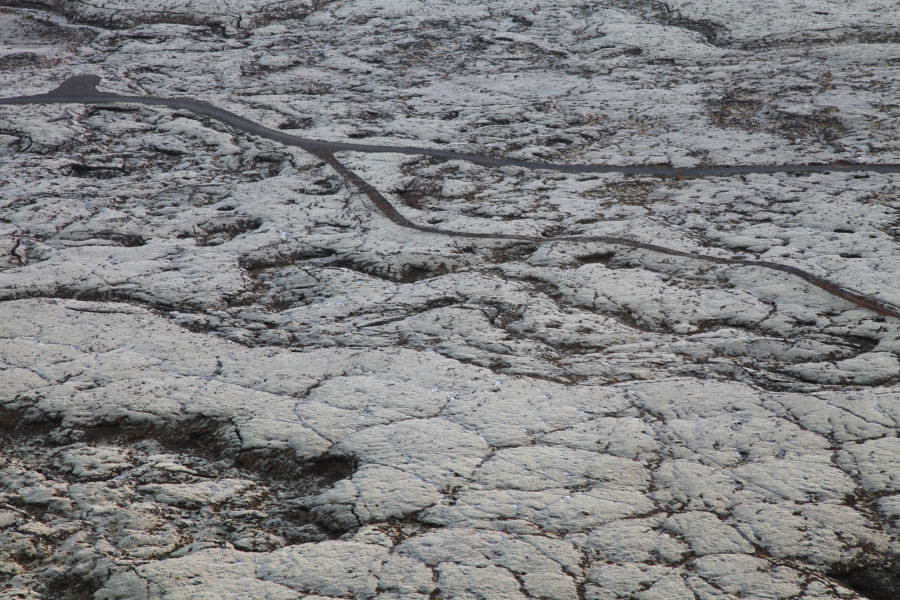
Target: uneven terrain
(225, 374)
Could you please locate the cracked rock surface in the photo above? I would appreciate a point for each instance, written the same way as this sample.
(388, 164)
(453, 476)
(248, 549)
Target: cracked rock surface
(225, 374)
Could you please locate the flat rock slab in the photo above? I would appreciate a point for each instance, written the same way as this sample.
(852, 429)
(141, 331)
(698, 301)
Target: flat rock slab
(225, 374)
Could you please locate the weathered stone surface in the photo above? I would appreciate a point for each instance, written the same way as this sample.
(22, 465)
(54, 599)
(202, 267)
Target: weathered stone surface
(224, 374)
(119, 13)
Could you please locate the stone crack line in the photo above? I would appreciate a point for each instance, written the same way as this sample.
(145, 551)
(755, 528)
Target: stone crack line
(82, 89)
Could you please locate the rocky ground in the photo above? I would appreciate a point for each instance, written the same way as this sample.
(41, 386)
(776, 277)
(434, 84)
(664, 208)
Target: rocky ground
(225, 374)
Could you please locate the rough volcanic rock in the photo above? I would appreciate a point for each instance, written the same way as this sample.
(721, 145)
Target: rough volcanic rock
(225, 374)
(219, 13)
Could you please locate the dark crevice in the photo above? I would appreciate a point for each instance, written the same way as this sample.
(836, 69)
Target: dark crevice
(873, 580)
(96, 172)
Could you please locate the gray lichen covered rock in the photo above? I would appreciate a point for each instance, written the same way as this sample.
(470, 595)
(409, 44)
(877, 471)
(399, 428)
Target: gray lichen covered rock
(224, 373)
